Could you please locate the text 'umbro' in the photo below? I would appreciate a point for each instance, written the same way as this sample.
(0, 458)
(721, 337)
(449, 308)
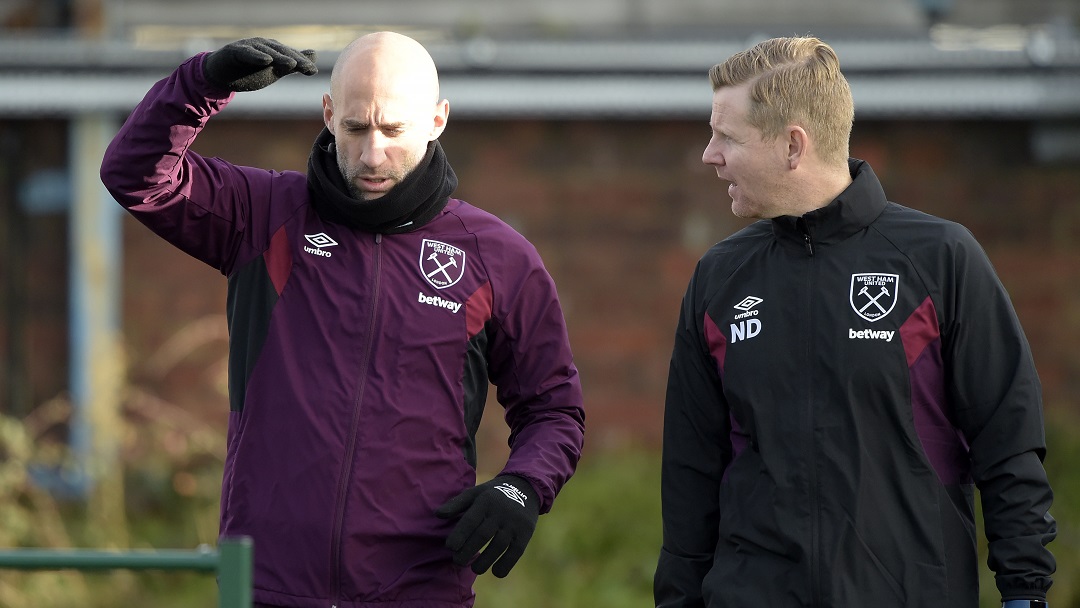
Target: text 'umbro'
(324, 254)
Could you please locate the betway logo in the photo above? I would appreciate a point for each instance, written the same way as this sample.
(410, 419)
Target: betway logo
(870, 334)
(439, 302)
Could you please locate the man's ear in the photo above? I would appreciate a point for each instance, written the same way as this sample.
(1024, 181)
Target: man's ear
(442, 114)
(328, 111)
(798, 146)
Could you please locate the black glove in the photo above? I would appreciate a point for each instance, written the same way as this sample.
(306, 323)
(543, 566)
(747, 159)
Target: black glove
(503, 511)
(253, 63)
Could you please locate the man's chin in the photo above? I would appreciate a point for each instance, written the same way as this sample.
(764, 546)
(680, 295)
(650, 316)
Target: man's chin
(745, 211)
(366, 196)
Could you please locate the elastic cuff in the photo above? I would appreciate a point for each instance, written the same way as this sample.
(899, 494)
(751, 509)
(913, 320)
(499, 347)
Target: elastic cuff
(1024, 603)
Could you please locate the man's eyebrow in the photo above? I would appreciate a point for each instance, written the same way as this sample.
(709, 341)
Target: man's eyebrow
(355, 123)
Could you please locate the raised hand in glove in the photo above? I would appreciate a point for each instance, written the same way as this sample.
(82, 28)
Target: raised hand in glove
(501, 514)
(253, 63)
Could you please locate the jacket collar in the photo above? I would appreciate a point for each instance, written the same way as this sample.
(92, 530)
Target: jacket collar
(410, 204)
(850, 212)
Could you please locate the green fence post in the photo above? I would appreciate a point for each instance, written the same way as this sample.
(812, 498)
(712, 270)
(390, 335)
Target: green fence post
(234, 572)
(232, 563)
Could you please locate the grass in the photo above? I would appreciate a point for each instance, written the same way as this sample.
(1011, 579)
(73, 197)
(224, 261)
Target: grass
(596, 549)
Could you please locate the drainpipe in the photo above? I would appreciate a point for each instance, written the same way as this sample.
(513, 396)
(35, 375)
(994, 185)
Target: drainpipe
(96, 359)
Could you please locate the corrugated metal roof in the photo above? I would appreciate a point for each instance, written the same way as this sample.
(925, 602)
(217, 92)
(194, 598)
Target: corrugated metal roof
(1020, 77)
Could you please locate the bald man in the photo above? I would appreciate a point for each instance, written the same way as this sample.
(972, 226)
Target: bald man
(384, 86)
(368, 312)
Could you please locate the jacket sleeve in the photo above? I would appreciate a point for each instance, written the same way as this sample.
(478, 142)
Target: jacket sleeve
(696, 452)
(998, 405)
(532, 368)
(200, 205)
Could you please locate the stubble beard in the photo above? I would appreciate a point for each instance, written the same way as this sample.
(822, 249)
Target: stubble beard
(352, 174)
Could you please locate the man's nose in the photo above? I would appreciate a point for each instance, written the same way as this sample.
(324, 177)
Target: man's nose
(373, 151)
(712, 156)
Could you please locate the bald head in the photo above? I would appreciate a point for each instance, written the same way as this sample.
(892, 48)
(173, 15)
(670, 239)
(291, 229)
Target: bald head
(388, 59)
(383, 109)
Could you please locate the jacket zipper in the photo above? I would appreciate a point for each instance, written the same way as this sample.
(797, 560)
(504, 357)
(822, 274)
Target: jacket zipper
(815, 531)
(350, 445)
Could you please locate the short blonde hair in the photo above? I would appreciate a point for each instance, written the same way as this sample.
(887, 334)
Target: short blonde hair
(794, 81)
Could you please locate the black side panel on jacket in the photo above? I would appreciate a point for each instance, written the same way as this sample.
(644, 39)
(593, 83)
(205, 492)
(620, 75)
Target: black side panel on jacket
(251, 299)
(476, 388)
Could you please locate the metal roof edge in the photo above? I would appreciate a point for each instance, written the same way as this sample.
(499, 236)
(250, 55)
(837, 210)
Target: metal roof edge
(616, 96)
(1037, 49)
(1033, 76)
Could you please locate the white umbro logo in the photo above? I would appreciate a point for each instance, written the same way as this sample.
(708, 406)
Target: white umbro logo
(747, 303)
(512, 493)
(319, 240)
(746, 328)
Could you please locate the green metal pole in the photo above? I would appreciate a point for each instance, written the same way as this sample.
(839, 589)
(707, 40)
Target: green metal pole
(88, 559)
(234, 572)
(232, 562)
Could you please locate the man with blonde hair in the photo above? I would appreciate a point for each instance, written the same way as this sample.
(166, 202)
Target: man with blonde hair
(368, 310)
(845, 372)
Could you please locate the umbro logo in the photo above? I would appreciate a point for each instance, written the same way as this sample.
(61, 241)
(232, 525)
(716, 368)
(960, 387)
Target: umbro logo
(746, 328)
(747, 303)
(319, 240)
(747, 307)
(512, 493)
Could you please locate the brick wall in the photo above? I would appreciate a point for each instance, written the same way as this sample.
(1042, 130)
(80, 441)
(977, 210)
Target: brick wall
(621, 211)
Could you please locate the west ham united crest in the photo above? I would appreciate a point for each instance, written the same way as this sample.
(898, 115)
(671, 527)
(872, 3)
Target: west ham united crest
(441, 264)
(873, 294)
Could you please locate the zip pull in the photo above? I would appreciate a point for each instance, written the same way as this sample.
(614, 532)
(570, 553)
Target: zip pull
(804, 227)
(378, 240)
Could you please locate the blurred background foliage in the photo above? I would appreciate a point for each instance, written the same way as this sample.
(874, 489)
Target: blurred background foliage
(596, 549)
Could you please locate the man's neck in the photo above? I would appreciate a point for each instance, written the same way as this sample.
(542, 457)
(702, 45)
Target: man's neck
(822, 189)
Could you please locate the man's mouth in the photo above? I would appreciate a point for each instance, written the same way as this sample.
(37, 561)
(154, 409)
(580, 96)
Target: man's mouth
(374, 183)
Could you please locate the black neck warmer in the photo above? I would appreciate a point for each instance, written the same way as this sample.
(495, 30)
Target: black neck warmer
(410, 204)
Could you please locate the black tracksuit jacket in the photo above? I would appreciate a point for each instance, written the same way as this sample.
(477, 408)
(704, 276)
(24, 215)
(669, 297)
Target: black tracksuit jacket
(840, 383)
